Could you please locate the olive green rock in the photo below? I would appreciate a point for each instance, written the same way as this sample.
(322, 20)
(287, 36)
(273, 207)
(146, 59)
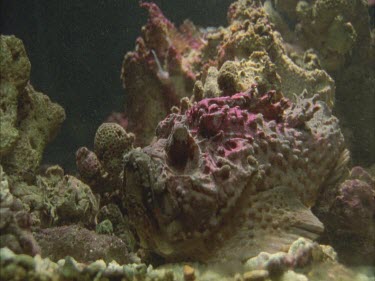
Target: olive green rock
(28, 118)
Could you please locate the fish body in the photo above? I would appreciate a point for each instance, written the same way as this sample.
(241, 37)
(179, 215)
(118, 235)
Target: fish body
(233, 176)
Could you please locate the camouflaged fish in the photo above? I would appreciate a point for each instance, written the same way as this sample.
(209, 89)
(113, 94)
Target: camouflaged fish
(233, 176)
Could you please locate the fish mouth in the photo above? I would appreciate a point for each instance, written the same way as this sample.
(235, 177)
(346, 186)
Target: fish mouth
(167, 219)
(311, 229)
(152, 210)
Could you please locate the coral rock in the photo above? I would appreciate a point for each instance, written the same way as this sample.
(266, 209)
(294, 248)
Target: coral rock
(111, 142)
(88, 164)
(29, 120)
(254, 46)
(159, 72)
(15, 232)
(335, 35)
(102, 169)
(167, 62)
(350, 218)
(333, 27)
(15, 66)
(72, 201)
(81, 244)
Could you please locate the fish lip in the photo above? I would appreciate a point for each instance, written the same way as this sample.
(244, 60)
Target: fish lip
(308, 230)
(140, 193)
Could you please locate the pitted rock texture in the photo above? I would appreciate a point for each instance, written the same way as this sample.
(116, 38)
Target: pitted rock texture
(81, 244)
(160, 71)
(169, 63)
(29, 119)
(102, 168)
(15, 222)
(348, 211)
(335, 36)
(233, 176)
(111, 142)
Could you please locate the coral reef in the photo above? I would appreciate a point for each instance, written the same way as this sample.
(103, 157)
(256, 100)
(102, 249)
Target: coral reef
(70, 201)
(29, 120)
(252, 37)
(304, 261)
(221, 61)
(55, 199)
(337, 34)
(102, 169)
(15, 232)
(14, 75)
(257, 157)
(159, 72)
(111, 142)
(348, 212)
(22, 267)
(81, 244)
(32, 199)
(331, 27)
(240, 176)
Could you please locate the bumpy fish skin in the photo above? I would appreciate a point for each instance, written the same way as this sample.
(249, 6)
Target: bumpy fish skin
(233, 176)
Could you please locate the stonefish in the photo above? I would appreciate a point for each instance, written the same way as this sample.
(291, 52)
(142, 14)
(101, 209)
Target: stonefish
(233, 176)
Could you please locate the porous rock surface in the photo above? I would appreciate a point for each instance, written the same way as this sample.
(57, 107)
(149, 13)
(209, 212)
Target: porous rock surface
(334, 28)
(336, 36)
(169, 63)
(29, 119)
(15, 232)
(348, 211)
(233, 176)
(81, 244)
(251, 41)
(159, 72)
(102, 168)
(305, 261)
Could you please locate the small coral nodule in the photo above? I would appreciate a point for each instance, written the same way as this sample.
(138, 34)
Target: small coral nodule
(102, 168)
(111, 142)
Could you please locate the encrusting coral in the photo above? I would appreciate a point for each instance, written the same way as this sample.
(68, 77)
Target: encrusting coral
(348, 212)
(251, 40)
(15, 223)
(14, 75)
(29, 120)
(335, 35)
(31, 199)
(221, 61)
(305, 261)
(102, 169)
(110, 143)
(75, 240)
(68, 200)
(55, 199)
(159, 72)
(331, 27)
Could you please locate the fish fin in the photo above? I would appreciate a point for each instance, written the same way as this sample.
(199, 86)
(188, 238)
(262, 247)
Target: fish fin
(270, 222)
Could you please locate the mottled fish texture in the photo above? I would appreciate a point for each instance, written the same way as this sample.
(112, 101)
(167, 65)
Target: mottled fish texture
(233, 176)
